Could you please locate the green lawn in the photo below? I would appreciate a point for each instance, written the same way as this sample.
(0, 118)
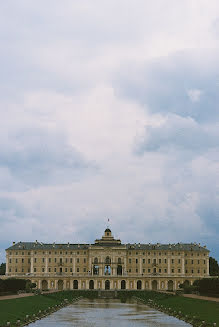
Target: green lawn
(205, 310)
(14, 309)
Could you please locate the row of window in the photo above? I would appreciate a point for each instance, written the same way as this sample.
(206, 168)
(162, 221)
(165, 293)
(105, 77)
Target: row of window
(50, 252)
(165, 253)
(85, 253)
(155, 261)
(130, 270)
(43, 260)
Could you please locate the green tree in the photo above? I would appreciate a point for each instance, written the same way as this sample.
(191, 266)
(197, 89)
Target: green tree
(213, 267)
(2, 268)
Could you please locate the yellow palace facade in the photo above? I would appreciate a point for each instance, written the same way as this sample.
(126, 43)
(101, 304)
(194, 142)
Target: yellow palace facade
(107, 264)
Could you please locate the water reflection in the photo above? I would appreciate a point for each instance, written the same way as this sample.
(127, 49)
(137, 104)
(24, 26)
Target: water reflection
(106, 313)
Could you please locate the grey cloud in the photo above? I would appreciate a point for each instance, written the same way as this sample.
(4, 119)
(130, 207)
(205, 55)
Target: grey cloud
(38, 157)
(162, 85)
(180, 133)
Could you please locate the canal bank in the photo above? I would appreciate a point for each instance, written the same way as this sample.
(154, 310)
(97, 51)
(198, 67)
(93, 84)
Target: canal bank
(27, 309)
(109, 312)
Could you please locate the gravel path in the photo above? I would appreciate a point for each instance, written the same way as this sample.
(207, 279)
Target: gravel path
(193, 296)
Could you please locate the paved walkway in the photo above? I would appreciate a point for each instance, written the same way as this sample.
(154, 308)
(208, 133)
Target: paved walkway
(15, 296)
(193, 296)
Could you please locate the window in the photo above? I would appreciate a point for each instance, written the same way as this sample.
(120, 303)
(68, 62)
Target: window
(35, 260)
(159, 253)
(136, 253)
(149, 260)
(143, 260)
(9, 269)
(71, 260)
(9, 260)
(159, 270)
(49, 252)
(49, 269)
(192, 262)
(66, 260)
(43, 260)
(55, 259)
(198, 262)
(204, 262)
(186, 262)
(66, 269)
(85, 269)
(54, 269)
(15, 269)
(16, 260)
(179, 260)
(66, 252)
(22, 260)
(49, 260)
(154, 261)
(149, 270)
(78, 270)
(192, 271)
(130, 270)
(172, 270)
(71, 270)
(22, 253)
(78, 252)
(85, 252)
(198, 271)
(28, 261)
(165, 260)
(130, 260)
(61, 252)
(22, 269)
(172, 260)
(186, 271)
(136, 260)
(143, 270)
(34, 269)
(78, 260)
(159, 260)
(179, 271)
(84, 260)
(43, 269)
(136, 270)
(165, 270)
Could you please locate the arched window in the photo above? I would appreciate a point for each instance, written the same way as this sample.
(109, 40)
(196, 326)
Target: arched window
(119, 260)
(95, 261)
(107, 260)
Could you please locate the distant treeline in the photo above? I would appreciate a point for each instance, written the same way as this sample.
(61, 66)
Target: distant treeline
(14, 285)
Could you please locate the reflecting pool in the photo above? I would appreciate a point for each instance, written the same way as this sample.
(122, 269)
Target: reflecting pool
(106, 313)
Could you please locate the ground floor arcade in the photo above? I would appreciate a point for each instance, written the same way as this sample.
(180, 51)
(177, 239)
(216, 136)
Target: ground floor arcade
(162, 284)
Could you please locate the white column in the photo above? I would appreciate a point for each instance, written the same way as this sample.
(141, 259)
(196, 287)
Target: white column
(74, 265)
(125, 266)
(183, 266)
(46, 266)
(140, 266)
(31, 263)
(168, 267)
(7, 262)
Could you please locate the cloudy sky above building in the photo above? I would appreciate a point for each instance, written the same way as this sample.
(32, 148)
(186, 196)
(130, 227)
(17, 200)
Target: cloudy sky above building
(109, 109)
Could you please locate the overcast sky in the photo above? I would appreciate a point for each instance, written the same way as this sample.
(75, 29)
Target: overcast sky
(109, 109)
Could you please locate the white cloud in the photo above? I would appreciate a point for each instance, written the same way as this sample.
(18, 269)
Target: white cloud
(64, 65)
(194, 95)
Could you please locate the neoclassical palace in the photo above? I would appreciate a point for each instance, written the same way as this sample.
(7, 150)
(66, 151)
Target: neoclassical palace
(107, 264)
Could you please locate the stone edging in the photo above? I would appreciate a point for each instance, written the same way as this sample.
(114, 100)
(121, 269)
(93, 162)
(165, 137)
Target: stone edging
(194, 321)
(42, 314)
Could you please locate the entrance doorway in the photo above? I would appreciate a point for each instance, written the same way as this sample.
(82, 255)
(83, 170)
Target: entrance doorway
(107, 285)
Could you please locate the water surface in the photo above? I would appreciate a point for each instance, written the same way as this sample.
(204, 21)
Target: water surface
(107, 313)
